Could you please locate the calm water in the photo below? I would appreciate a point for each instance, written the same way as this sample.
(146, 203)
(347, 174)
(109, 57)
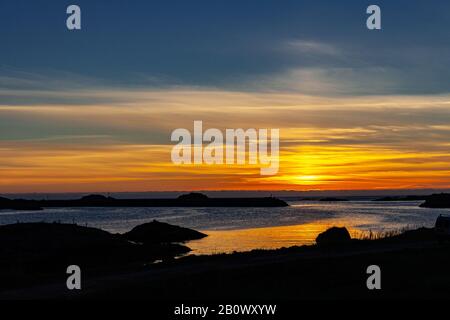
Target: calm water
(241, 229)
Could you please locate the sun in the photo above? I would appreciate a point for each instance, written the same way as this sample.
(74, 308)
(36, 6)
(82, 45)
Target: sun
(308, 178)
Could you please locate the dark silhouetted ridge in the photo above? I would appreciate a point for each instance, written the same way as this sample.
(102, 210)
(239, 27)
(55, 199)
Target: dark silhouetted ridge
(331, 199)
(19, 204)
(401, 198)
(187, 200)
(193, 196)
(441, 200)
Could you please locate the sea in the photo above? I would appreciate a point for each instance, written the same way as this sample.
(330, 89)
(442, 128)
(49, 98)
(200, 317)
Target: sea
(245, 229)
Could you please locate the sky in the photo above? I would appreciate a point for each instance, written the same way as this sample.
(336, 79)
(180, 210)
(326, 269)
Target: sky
(92, 110)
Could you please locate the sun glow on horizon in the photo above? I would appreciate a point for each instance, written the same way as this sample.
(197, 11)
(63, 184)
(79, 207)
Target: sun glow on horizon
(127, 148)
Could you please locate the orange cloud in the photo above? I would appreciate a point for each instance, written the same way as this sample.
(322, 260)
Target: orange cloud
(326, 143)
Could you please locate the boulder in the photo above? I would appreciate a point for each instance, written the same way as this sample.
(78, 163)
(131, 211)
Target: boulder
(159, 232)
(333, 236)
(57, 243)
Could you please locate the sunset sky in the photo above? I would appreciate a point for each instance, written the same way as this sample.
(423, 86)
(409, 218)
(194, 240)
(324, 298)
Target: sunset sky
(93, 110)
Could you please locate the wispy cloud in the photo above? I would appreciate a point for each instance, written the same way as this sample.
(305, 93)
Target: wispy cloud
(299, 46)
(326, 142)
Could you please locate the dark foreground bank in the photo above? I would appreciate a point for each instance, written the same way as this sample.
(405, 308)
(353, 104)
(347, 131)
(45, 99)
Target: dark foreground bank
(413, 265)
(38, 253)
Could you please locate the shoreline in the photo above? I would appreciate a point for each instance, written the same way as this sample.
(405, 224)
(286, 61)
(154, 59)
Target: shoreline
(304, 272)
(265, 228)
(263, 238)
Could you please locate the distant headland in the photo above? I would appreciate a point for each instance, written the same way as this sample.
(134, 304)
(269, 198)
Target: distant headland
(185, 200)
(440, 200)
(332, 199)
(402, 198)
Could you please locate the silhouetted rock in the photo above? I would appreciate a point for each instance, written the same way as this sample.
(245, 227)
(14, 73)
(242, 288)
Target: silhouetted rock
(331, 199)
(441, 200)
(333, 236)
(53, 236)
(159, 232)
(53, 243)
(32, 252)
(193, 196)
(66, 239)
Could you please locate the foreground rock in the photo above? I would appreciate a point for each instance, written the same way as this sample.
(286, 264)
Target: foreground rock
(64, 242)
(441, 200)
(159, 232)
(334, 236)
(33, 252)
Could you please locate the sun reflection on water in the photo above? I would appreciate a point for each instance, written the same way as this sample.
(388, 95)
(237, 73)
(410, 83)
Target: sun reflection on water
(227, 241)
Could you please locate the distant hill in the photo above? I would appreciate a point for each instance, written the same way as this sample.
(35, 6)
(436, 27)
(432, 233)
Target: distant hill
(187, 200)
(96, 197)
(193, 196)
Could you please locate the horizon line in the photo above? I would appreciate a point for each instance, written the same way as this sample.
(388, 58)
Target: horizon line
(374, 191)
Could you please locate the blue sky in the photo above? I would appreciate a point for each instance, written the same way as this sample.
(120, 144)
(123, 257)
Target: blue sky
(239, 45)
